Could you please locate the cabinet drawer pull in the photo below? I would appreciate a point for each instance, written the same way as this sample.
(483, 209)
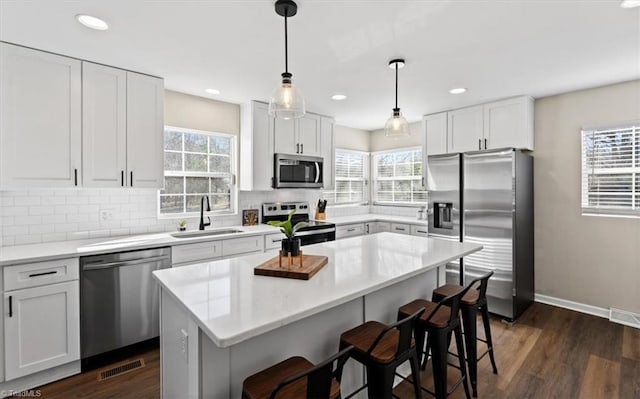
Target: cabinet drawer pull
(421, 231)
(302, 148)
(276, 240)
(485, 144)
(297, 148)
(75, 176)
(43, 273)
(400, 228)
(351, 229)
(10, 306)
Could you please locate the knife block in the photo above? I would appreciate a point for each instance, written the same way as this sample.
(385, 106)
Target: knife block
(320, 215)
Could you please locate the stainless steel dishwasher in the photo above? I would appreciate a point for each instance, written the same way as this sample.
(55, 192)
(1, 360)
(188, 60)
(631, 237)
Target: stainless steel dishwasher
(119, 299)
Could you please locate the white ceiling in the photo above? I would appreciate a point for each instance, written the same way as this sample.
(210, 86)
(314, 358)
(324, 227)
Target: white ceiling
(496, 48)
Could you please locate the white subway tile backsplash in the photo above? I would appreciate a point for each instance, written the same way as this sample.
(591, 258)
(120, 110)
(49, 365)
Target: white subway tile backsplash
(29, 220)
(77, 200)
(66, 227)
(15, 211)
(41, 229)
(28, 200)
(50, 237)
(28, 239)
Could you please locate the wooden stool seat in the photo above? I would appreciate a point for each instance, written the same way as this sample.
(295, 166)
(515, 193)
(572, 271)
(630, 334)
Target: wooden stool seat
(439, 320)
(469, 299)
(261, 384)
(362, 337)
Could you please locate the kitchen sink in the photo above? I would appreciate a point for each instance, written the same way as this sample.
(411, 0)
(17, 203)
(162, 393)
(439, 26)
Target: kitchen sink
(203, 233)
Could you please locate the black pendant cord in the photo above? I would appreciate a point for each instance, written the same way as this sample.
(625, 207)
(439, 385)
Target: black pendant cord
(286, 43)
(396, 85)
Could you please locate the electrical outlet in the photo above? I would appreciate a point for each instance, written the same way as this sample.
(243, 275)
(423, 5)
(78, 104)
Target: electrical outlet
(107, 214)
(184, 343)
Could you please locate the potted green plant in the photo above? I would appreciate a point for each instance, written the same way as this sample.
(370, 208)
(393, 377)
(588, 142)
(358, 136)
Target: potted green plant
(290, 244)
(182, 225)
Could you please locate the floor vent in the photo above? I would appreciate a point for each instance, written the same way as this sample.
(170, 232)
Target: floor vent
(120, 369)
(624, 317)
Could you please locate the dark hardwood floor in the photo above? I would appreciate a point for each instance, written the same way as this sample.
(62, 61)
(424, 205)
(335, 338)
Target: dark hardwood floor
(548, 353)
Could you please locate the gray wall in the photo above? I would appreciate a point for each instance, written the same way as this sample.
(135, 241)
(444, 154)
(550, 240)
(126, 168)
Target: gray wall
(348, 138)
(587, 259)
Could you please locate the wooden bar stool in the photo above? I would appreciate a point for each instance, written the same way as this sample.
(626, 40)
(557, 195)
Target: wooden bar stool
(381, 349)
(296, 377)
(473, 301)
(438, 322)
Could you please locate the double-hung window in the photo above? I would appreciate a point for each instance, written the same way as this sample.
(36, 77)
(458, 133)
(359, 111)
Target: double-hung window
(351, 178)
(197, 163)
(397, 177)
(611, 170)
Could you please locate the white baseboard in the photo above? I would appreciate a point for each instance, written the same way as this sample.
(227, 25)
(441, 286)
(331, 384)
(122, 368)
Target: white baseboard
(571, 305)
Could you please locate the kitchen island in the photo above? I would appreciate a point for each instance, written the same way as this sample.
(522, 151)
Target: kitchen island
(220, 323)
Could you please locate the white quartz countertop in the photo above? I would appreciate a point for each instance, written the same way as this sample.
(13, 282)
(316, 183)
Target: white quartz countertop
(375, 217)
(231, 304)
(65, 249)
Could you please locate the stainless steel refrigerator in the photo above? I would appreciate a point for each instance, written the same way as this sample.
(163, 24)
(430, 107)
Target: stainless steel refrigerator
(496, 199)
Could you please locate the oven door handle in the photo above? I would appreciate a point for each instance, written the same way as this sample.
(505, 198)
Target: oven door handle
(317, 171)
(313, 232)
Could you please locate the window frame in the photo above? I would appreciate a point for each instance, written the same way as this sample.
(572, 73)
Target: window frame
(374, 178)
(634, 170)
(366, 166)
(232, 175)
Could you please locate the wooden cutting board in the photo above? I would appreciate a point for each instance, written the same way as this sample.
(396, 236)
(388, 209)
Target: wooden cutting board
(311, 264)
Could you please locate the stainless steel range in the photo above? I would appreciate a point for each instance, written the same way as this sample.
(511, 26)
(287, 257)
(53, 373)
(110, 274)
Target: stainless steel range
(316, 232)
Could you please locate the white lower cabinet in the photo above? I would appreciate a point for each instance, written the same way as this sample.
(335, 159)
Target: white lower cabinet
(419, 230)
(41, 328)
(244, 245)
(350, 230)
(182, 255)
(379, 227)
(273, 241)
(400, 228)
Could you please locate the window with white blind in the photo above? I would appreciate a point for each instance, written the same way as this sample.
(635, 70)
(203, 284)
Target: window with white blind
(197, 163)
(351, 178)
(397, 177)
(611, 170)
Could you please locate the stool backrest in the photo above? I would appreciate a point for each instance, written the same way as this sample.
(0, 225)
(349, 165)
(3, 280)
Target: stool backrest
(453, 302)
(319, 377)
(480, 284)
(405, 327)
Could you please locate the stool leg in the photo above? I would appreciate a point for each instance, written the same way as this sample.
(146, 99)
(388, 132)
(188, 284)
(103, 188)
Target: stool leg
(415, 374)
(487, 333)
(426, 352)
(463, 368)
(439, 349)
(419, 334)
(469, 320)
(380, 382)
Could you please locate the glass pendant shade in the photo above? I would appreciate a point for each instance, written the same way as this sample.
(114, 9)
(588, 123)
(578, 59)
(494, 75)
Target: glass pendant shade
(396, 126)
(286, 102)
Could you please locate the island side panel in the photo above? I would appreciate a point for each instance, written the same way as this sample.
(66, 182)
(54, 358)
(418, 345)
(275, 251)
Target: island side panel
(316, 338)
(180, 341)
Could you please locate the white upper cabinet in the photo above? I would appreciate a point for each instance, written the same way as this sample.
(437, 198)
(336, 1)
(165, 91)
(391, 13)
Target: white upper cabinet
(40, 119)
(256, 147)
(327, 137)
(286, 139)
(465, 129)
(509, 123)
(299, 136)
(104, 125)
(309, 135)
(145, 131)
(435, 129)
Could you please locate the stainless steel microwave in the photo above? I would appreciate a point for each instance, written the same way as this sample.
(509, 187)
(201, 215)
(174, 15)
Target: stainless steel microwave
(297, 171)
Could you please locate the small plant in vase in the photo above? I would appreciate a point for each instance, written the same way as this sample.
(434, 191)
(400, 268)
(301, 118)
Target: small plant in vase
(182, 225)
(290, 244)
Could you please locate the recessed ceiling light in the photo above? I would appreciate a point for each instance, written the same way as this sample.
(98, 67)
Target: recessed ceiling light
(92, 22)
(339, 97)
(458, 90)
(630, 3)
(213, 91)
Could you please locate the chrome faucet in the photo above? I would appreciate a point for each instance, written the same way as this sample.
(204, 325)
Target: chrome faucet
(202, 223)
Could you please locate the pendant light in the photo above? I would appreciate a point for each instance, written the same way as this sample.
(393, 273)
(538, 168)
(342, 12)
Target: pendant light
(396, 126)
(286, 102)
